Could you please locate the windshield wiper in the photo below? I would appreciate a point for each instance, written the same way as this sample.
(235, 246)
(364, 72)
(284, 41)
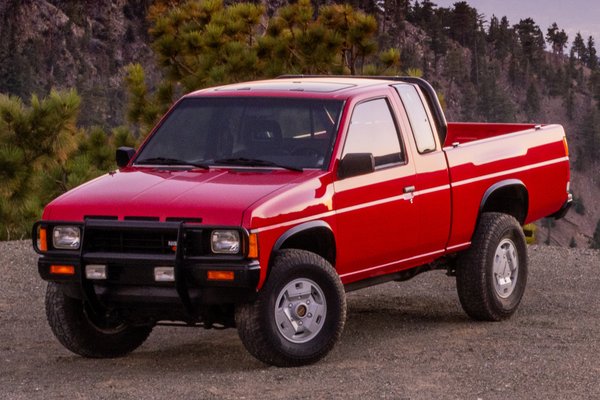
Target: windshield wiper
(253, 162)
(169, 161)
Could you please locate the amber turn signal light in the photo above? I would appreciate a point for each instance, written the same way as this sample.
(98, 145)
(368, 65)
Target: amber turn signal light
(62, 269)
(253, 245)
(220, 275)
(42, 240)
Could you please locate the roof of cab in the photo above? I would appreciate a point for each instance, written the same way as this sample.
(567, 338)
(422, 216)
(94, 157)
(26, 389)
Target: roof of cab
(337, 85)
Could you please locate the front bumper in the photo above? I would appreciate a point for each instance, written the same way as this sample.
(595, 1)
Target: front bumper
(130, 280)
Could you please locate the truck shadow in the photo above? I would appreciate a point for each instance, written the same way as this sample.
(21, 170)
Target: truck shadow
(222, 351)
(371, 324)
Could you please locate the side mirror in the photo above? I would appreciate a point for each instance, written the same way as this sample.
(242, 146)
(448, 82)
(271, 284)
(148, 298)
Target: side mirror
(124, 154)
(355, 164)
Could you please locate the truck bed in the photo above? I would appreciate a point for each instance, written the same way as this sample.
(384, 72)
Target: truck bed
(464, 132)
(484, 156)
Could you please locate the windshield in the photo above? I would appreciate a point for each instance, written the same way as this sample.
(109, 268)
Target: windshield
(246, 131)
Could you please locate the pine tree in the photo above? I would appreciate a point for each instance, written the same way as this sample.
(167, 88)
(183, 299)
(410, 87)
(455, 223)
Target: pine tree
(431, 19)
(143, 109)
(595, 86)
(532, 44)
(395, 13)
(493, 103)
(569, 102)
(579, 49)
(502, 37)
(532, 102)
(589, 131)
(32, 138)
(592, 62)
(43, 154)
(555, 81)
(464, 23)
(455, 68)
(557, 39)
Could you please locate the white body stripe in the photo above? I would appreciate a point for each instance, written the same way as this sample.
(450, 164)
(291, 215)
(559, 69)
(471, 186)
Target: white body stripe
(408, 196)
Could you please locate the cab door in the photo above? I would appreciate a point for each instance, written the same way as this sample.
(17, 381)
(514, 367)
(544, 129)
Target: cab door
(375, 214)
(433, 198)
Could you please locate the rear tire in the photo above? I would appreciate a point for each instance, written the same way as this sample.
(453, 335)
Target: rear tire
(492, 274)
(93, 337)
(299, 314)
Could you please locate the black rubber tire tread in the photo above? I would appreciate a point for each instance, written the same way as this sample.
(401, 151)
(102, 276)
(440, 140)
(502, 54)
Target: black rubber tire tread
(75, 332)
(474, 274)
(255, 321)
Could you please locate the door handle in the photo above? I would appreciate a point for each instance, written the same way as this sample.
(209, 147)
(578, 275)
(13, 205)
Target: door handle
(409, 193)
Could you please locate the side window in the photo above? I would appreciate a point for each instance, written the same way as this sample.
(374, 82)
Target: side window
(417, 115)
(372, 130)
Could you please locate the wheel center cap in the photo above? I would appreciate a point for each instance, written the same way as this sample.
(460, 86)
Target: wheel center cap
(301, 310)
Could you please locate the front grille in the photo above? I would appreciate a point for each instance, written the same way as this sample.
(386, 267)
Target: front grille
(130, 241)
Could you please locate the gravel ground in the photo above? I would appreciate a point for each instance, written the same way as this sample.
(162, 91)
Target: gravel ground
(407, 340)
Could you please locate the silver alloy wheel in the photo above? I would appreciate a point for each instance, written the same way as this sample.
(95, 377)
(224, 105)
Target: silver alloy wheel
(506, 268)
(300, 310)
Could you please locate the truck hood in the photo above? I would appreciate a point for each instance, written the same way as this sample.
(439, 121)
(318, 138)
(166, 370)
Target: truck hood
(216, 196)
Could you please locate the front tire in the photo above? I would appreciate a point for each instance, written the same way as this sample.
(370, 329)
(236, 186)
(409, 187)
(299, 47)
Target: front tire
(79, 331)
(299, 314)
(492, 274)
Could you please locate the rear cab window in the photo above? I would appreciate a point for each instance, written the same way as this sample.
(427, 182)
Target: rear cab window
(418, 118)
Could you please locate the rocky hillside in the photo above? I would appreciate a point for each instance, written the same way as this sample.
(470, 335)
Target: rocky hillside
(86, 44)
(82, 44)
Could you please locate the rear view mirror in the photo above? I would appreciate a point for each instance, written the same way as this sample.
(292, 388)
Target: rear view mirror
(355, 164)
(124, 154)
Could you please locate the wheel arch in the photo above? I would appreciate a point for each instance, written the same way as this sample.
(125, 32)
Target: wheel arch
(508, 197)
(314, 236)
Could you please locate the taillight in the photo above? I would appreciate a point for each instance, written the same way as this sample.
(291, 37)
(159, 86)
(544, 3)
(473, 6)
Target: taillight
(566, 145)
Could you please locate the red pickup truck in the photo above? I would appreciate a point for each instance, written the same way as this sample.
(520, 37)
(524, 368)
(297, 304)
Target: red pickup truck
(258, 205)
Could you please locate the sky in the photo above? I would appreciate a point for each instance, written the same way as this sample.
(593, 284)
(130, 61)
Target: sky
(571, 15)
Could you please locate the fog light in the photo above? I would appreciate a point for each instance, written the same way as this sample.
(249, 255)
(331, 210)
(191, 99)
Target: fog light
(93, 271)
(164, 274)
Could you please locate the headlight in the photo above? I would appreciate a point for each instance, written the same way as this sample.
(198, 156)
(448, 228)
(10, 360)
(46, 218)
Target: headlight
(66, 237)
(225, 242)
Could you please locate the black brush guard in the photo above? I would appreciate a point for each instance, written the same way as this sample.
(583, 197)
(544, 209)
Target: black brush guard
(131, 249)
